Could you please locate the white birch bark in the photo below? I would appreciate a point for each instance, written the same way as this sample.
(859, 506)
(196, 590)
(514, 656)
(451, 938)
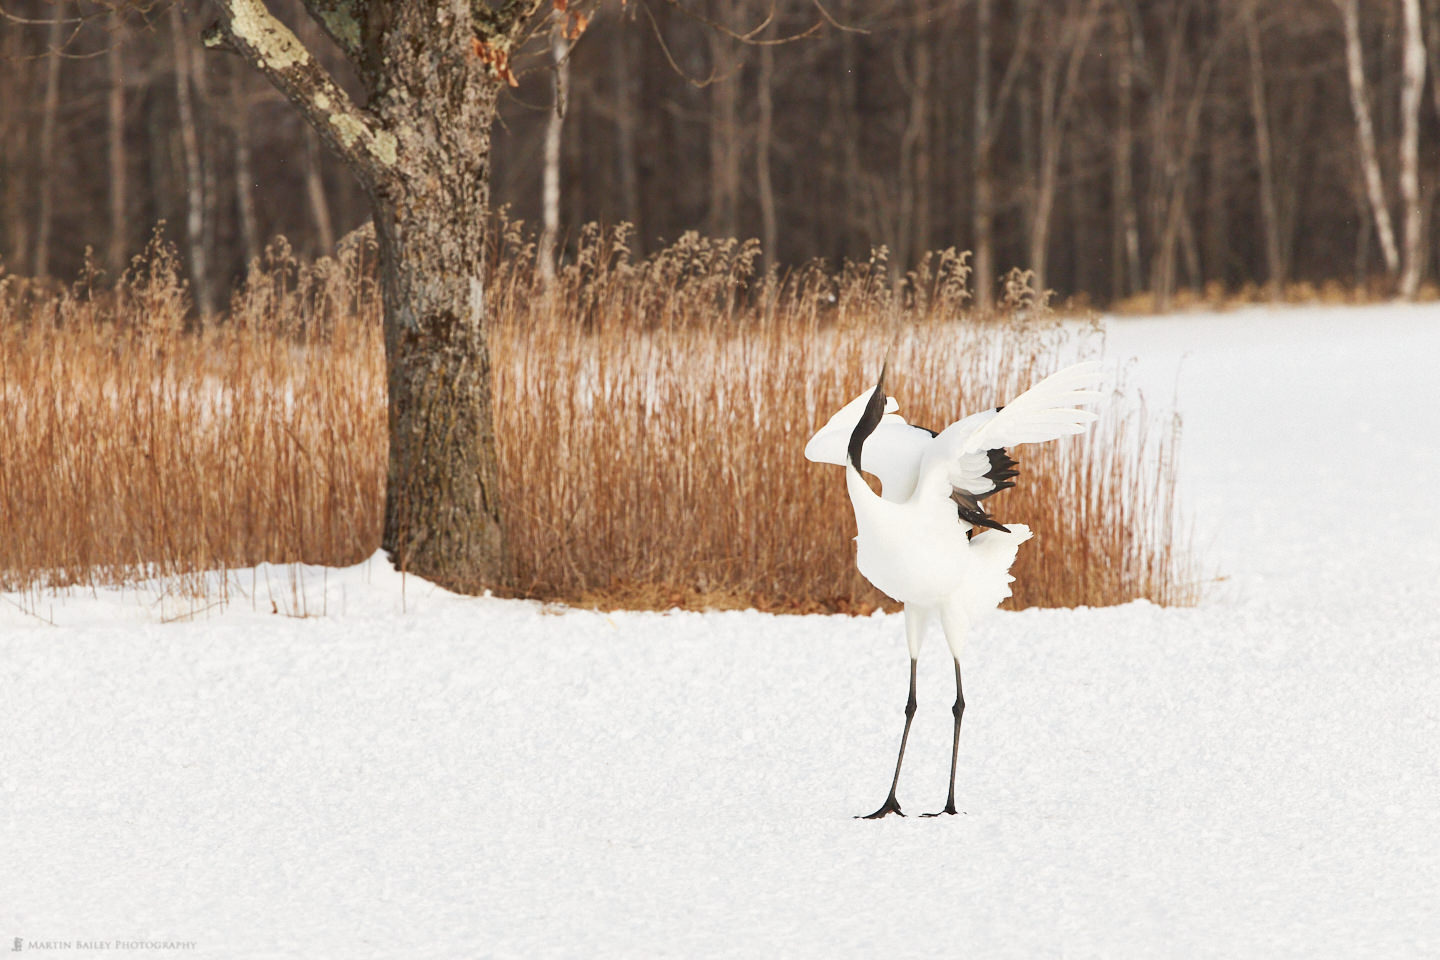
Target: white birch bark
(554, 132)
(1412, 90)
(1365, 133)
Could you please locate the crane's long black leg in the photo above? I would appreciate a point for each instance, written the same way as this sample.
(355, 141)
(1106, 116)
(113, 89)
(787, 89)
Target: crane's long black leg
(892, 805)
(959, 711)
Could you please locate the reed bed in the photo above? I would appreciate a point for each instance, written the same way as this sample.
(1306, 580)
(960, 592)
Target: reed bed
(133, 448)
(650, 418)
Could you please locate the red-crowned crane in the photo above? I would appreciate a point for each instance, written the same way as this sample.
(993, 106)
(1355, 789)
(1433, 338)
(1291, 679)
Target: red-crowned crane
(925, 540)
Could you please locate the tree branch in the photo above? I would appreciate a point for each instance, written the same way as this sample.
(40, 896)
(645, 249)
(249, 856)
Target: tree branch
(341, 20)
(249, 28)
(503, 25)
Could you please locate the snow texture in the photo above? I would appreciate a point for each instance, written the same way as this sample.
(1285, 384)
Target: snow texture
(418, 774)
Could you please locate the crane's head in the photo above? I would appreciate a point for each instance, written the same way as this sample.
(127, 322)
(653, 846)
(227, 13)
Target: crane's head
(870, 419)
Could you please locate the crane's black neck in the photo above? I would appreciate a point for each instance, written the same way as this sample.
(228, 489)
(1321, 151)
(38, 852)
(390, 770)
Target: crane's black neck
(869, 420)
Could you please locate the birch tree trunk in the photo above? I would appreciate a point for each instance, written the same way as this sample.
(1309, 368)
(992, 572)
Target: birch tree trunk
(421, 148)
(554, 128)
(1412, 90)
(1365, 134)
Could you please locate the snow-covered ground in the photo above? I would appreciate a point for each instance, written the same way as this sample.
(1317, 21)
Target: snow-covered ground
(418, 774)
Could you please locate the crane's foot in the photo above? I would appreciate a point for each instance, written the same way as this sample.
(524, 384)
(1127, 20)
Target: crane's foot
(890, 806)
(949, 808)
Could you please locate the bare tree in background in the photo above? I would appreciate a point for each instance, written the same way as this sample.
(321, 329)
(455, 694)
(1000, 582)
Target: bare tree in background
(244, 171)
(1125, 222)
(1057, 99)
(1365, 133)
(119, 247)
(51, 109)
(908, 123)
(989, 113)
(724, 135)
(764, 140)
(1412, 91)
(195, 194)
(1260, 115)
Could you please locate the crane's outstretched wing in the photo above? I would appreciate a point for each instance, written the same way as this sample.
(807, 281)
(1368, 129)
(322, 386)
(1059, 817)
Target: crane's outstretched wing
(968, 459)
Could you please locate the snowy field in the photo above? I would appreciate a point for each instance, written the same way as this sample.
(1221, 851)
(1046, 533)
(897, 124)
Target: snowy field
(414, 774)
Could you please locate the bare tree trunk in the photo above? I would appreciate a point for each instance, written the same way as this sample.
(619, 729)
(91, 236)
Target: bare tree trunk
(209, 188)
(1365, 134)
(315, 195)
(244, 175)
(421, 148)
(1126, 237)
(1057, 96)
(15, 155)
(1190, 249)
(764, 136)
(317, 192)
(724, 144)
(860, 216)
(1432, 49)
(1411, 93)
(49, 113)
(554, 128)
(1217, 216)
(1047, 164)
(119, 247)
(627, 108)
(984, 272)
(1164, 165)
(1179, 159)
(1260, 115)
(924, 186)
(194, 182)
(911, 231)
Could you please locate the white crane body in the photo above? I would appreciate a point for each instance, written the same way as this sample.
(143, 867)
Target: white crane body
(925, 540)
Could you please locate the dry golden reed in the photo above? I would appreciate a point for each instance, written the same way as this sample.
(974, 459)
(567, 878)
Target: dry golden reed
(131, 448)
(650, 415)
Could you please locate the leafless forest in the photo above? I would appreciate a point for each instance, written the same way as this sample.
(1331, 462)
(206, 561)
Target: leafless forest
(1118, 148)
